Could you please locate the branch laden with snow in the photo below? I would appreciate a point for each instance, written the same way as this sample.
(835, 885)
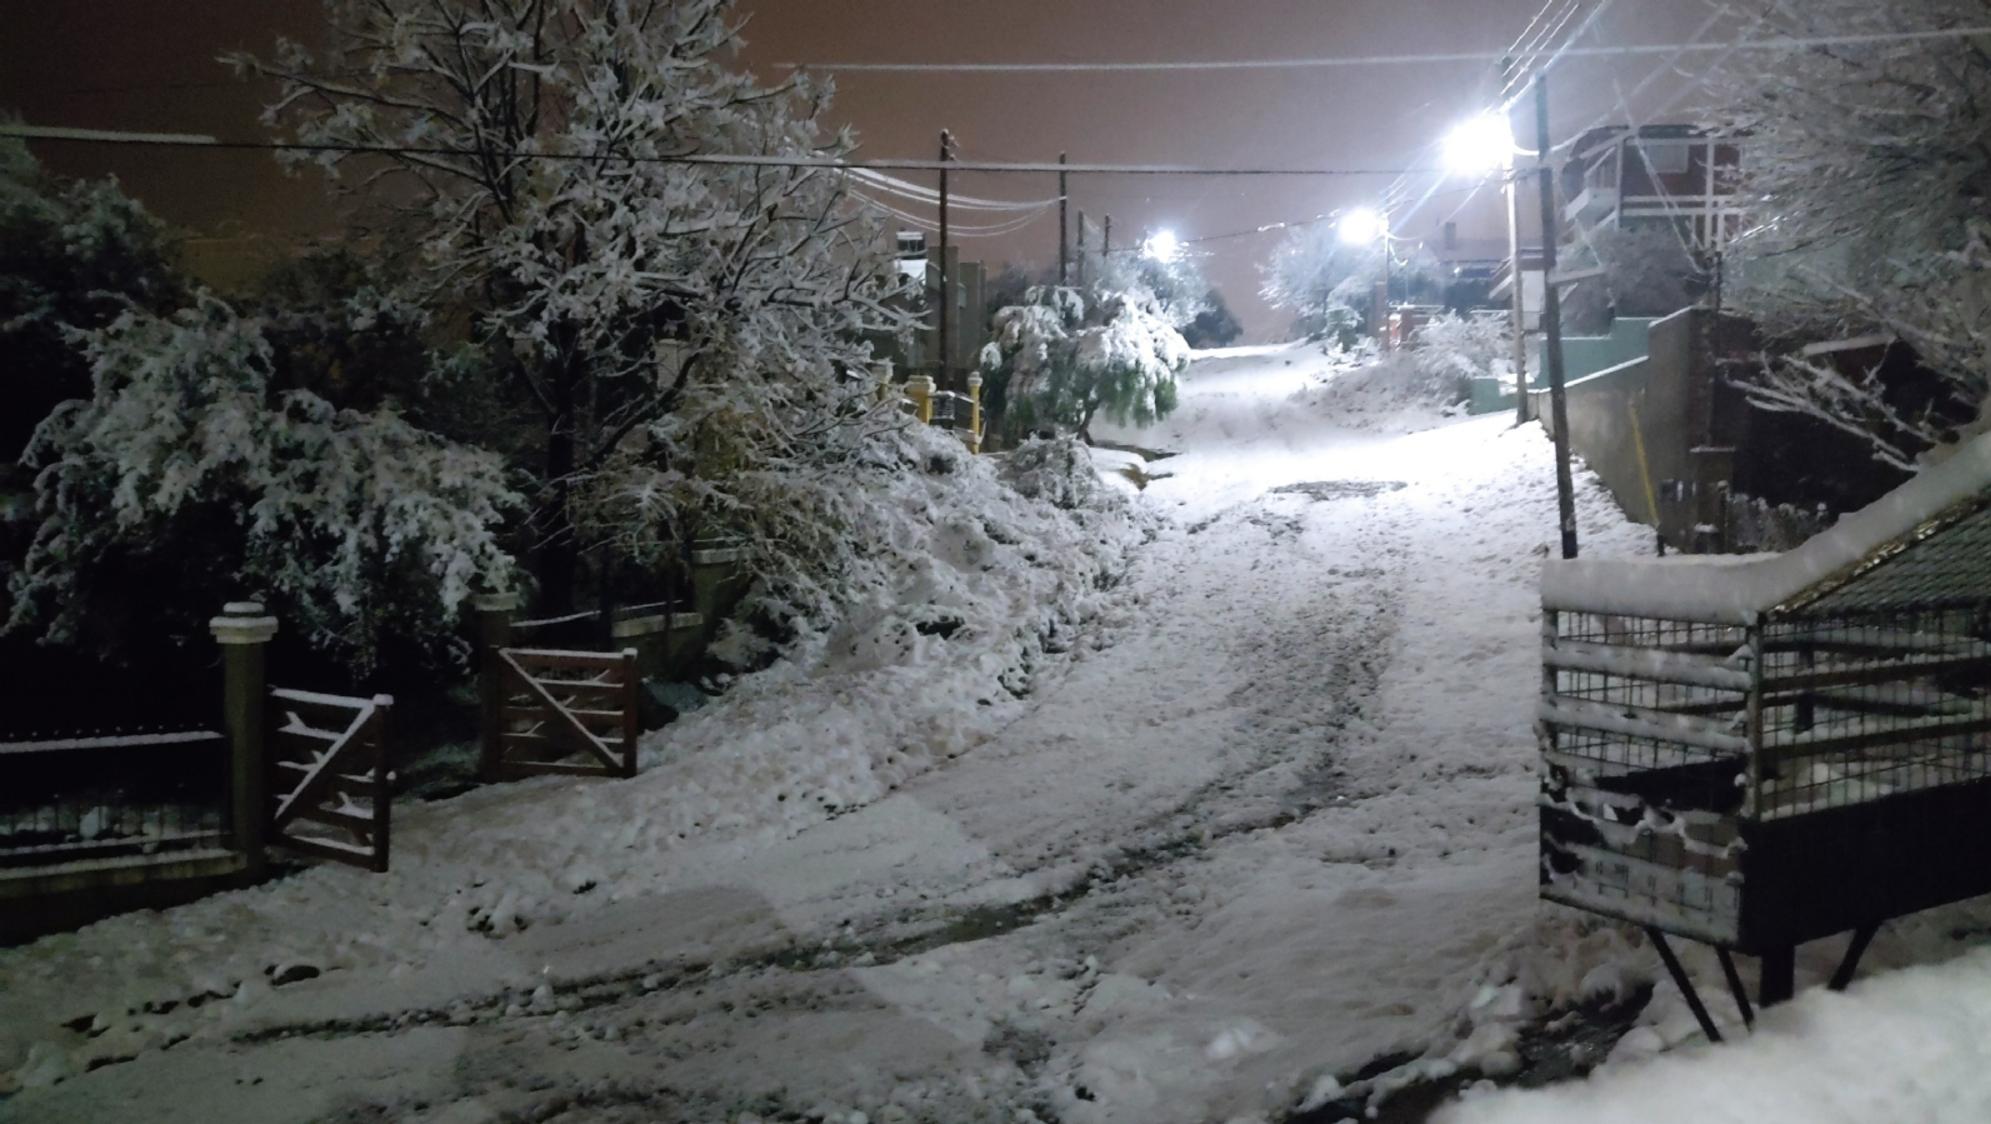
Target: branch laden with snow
(1064, 356)
(189, 477)
(535, 175)
(1866, 171)
(1326, 283)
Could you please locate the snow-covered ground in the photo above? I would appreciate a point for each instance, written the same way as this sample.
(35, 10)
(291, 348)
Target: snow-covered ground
(1908, 1045)
(1258, 810)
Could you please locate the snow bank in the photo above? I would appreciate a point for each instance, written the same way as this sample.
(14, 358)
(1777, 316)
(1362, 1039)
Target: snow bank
(1910, 1045)
(1685, 588)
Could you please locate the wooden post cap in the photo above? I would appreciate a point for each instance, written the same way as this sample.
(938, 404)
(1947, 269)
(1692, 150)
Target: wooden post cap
(243, 622)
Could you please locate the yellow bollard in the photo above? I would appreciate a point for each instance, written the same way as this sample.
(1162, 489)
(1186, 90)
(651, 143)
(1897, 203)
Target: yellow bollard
(920, 388)
(975, 413)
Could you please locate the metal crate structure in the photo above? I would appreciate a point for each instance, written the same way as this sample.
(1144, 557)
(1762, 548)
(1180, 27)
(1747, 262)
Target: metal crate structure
(1762, 753)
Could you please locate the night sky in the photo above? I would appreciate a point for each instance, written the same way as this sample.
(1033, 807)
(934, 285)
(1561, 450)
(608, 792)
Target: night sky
(148, 65)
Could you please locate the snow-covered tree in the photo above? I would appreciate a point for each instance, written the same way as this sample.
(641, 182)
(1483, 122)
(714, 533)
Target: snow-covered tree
(1213, 325)
(1452, 349)
(1065, 355)
(73, 254)
(190, 476)
(1647, 271)
(1326, 283)
(678, 325)
(1866, 170)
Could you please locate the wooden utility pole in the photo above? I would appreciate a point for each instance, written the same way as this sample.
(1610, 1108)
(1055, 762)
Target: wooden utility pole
(1081, 249)
(1064, 249)
(1565, 490)
(946, 280)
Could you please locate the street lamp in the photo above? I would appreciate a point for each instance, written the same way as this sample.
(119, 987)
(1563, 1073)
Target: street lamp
(1478, 146)
(1162, 246)
(1359, 226)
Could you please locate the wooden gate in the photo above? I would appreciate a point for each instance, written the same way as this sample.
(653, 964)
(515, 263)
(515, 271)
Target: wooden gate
(329, 781)
(571, 713)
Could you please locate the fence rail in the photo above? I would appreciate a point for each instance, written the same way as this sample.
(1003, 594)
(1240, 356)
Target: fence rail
(111, 794)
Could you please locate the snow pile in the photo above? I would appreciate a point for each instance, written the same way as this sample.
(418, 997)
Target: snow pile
(1909, 1045)
(1397, 393)
(1686, 588)
(980, 582)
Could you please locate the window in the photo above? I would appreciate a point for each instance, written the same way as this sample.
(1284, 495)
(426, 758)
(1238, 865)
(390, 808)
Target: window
(1664, 157)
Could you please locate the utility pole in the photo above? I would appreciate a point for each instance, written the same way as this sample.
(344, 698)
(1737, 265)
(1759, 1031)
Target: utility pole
(1565, 490)
(1064, 249)
(1106, 243)
(1081, 249)
(946, 279)
(1517, 301)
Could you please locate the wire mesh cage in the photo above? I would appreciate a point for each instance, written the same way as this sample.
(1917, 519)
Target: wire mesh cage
(1755, 774)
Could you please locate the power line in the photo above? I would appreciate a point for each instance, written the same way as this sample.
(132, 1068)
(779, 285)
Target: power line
(1791, 43)
(193, 141)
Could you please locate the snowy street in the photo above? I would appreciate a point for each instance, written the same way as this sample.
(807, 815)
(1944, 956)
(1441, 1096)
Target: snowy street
(1269, 819)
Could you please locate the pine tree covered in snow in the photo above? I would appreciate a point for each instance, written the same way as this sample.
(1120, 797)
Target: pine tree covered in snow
(685, 331)
(190, 476)
(1065, 355)
(1865, 170)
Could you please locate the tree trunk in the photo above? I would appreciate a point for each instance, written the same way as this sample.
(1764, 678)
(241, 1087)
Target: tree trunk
(558, 561)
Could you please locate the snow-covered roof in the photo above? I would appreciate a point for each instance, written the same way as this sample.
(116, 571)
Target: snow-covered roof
(1867, 543)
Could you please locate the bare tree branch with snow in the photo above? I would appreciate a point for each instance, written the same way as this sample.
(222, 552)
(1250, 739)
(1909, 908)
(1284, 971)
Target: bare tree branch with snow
(1867, 170)
(530, 148)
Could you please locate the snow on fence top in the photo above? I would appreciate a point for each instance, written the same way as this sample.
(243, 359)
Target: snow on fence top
(1736, 590)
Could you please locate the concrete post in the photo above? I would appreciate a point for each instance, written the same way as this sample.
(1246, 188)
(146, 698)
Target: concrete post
(494, 631)
(920, 389)
(243, 630)
(975, 413)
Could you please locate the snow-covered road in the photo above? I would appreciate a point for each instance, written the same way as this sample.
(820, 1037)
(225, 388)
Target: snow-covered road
(1269, 819)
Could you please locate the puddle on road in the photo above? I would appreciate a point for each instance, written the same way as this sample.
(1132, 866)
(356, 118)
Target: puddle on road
(1325, 490)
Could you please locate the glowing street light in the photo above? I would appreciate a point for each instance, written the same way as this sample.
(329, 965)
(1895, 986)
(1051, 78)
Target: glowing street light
(1163, 246)
(1360, 226)
(1479, 145)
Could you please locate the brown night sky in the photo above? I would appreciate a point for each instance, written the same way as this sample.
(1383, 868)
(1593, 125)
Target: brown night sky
(148, 65)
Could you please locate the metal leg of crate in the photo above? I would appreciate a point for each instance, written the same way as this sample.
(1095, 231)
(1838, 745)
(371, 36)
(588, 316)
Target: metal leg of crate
(1778, 975)
(1685, 985)
(1736, 987)
(1850, 963)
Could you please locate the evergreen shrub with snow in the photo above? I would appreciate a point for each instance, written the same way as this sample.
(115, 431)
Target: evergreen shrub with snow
(1065, 355)
(1450, 350)
(189, 477)
(73, 254)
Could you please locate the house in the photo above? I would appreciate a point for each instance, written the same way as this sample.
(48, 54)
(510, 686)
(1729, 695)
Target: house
(1651, 175)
